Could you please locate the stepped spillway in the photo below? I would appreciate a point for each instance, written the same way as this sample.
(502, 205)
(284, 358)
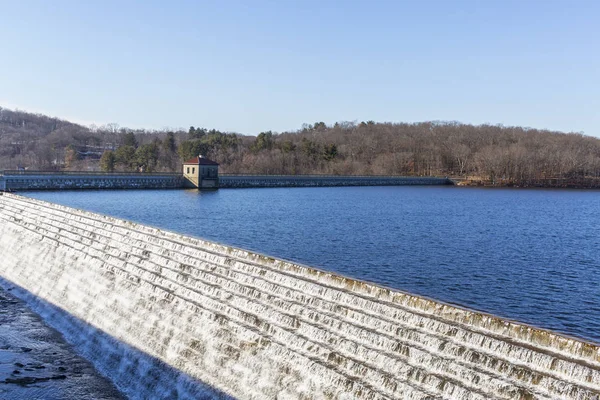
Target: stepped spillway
(187, 318)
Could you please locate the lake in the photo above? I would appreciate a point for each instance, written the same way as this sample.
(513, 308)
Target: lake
(527, 255)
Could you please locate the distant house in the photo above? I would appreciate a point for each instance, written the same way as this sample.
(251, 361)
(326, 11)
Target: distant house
(201, 173)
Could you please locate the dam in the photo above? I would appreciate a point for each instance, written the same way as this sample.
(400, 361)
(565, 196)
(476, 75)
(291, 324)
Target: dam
(189, 318)
(16, 181)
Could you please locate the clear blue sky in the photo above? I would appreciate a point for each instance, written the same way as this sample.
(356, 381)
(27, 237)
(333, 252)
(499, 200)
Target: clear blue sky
(249, 66)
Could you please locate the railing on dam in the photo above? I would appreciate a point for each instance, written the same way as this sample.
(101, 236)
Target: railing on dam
(319, 176)
(16, 180)
(248, 181)
(46, 180)
(80, 173)
(258, 327)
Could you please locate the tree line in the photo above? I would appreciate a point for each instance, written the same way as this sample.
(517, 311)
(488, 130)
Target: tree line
(490, 153)
(487, 153)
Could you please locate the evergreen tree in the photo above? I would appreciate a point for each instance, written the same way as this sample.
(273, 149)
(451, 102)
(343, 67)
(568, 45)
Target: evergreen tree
(130, 140)
(125, 156)
(108, 161)
(264, 141)
(330, 151)
(192, 148)
(319, 126)
(169, 145)
(146, 157)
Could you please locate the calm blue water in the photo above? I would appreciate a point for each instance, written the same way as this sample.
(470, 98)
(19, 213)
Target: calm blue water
(529, 255)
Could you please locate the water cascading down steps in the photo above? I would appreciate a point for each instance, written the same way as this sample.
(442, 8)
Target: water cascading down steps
(187, 318)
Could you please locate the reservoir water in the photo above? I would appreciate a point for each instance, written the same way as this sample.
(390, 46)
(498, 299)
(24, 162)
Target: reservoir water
(527, 255)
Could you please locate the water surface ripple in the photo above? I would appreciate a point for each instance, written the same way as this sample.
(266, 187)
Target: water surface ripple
(528, 255)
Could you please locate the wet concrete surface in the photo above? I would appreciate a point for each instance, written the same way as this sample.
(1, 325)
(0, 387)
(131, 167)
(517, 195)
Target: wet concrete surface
(37, 363)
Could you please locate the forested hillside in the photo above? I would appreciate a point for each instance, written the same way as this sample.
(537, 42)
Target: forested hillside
(509, 155)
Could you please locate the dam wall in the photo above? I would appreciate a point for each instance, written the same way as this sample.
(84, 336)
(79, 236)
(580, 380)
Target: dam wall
(258, 181)
(14, 181)
(152, 308)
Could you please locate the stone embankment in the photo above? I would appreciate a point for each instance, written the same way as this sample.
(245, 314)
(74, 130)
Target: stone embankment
(256, 327)
(20, 181)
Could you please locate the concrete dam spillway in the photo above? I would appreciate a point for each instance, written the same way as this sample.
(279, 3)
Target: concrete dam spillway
(170, 316)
